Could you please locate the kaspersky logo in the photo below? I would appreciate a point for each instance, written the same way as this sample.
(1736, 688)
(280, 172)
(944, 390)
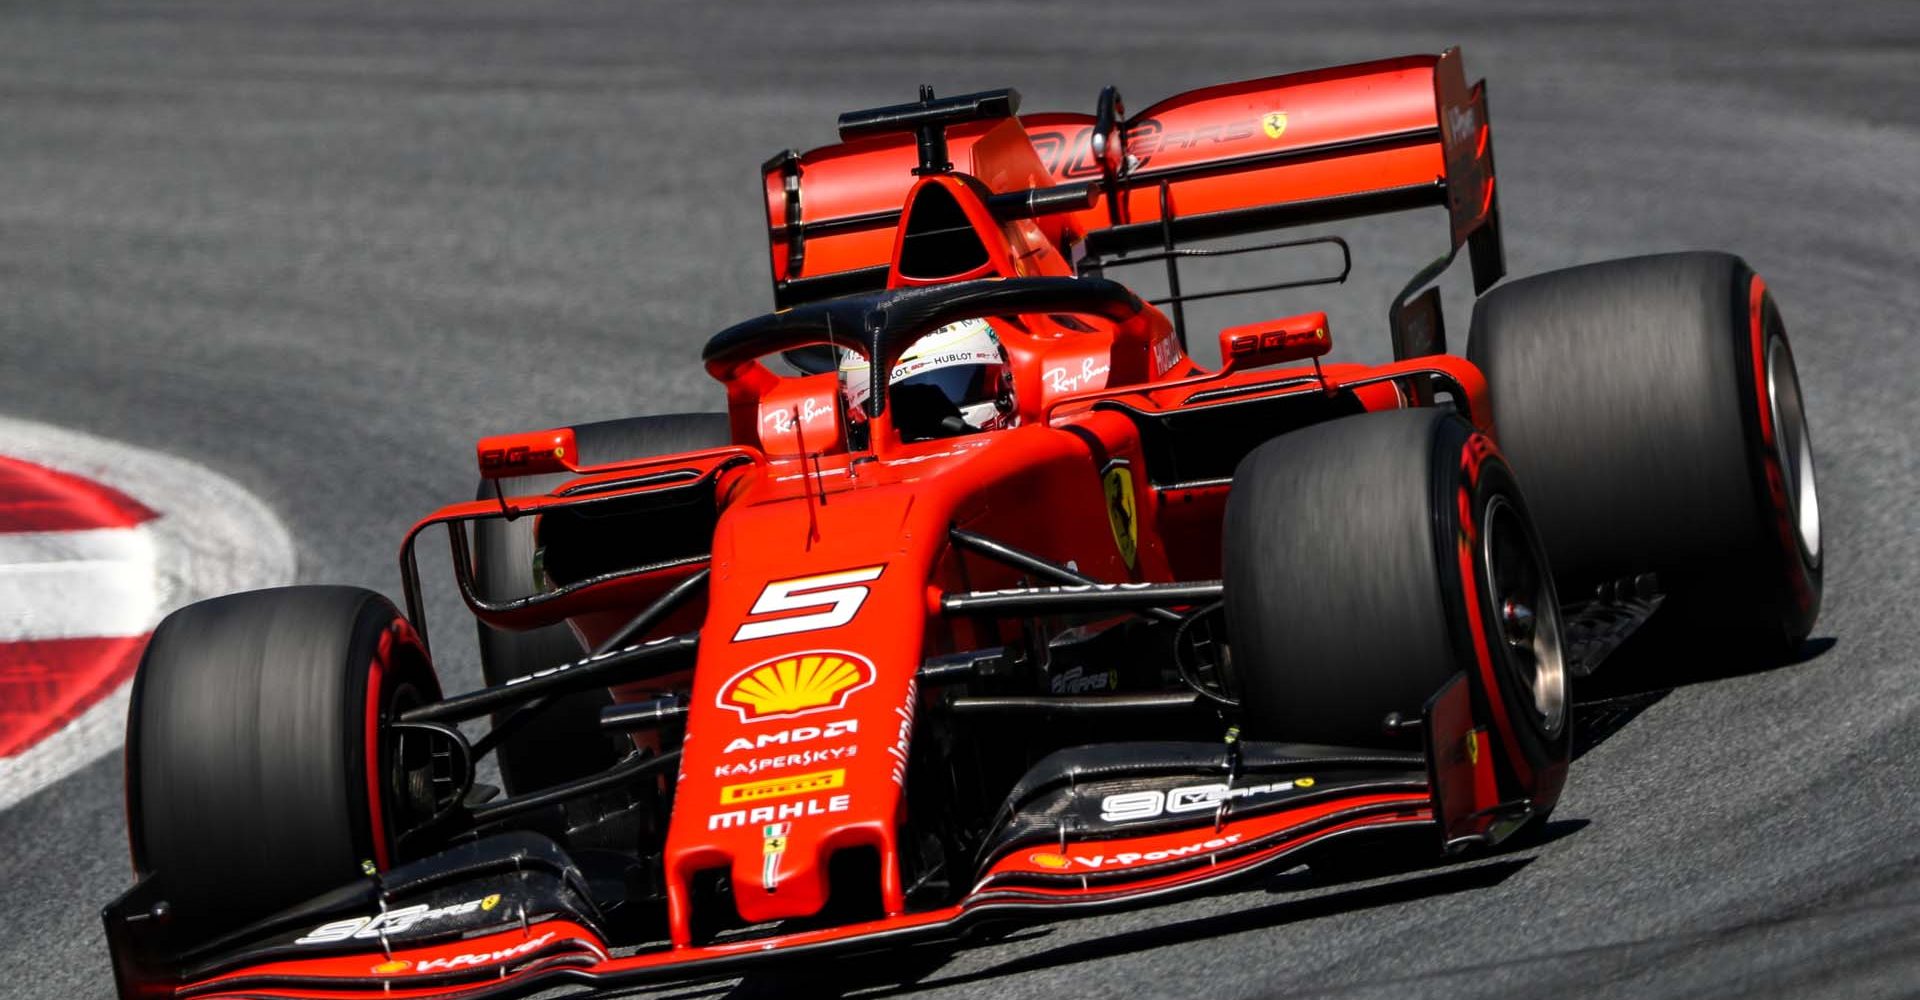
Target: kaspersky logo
(796, 684)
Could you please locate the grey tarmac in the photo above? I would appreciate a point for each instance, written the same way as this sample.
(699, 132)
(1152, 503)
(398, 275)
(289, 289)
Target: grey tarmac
(322, 246)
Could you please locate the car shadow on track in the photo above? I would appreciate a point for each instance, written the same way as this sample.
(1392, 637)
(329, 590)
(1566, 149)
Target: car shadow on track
(1650, 667)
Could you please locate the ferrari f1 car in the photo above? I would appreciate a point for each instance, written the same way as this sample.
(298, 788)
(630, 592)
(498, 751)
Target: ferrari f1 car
(984, 601)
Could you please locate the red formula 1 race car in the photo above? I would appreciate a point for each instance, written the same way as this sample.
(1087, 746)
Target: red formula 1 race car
(984, 602)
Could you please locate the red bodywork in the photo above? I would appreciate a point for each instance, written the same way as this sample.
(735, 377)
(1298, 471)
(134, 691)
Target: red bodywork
(829, 563)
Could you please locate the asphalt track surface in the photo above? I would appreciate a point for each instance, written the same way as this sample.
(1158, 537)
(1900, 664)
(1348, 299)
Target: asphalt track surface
(319, 247)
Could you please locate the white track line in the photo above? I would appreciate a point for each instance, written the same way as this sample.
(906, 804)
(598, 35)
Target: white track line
(212, 537)
(99, 583)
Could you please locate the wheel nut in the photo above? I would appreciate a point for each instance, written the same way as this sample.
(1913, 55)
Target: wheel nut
(1517, 620)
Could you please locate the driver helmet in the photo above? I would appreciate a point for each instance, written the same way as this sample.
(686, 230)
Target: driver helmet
(963, 360)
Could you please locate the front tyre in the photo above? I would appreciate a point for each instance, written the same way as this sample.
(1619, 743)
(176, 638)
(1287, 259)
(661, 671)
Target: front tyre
(258, 771)
(1368, 560)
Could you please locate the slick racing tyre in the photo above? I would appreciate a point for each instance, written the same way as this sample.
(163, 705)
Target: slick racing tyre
(1371, 558)
(1652, 409)
(563, 742)
(258, 773)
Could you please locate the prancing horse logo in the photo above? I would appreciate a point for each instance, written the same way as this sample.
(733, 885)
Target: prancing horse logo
(1121, 512)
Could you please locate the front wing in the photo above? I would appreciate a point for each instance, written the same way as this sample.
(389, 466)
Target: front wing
(1094, 830)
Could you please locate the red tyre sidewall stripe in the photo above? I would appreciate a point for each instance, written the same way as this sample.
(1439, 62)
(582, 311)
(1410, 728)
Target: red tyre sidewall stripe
(1483, 657)
(1769, 450)
(376, 772)
(1756, 296)
(1472, 454)
(398, 637)
(1542, 786)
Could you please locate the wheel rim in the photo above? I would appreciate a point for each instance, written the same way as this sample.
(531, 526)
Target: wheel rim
(1793, 450)
(1526, 613)
(407, 768)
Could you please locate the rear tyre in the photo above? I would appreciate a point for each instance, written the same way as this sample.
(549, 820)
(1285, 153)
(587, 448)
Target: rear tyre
(563, 742)
(258, 774)
(1369, 559)
(1652, 408)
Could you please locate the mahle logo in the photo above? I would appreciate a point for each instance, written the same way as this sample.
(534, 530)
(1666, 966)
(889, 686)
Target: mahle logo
(796, 684)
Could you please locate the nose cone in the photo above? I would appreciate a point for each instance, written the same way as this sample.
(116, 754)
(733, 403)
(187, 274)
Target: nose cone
(791, 762)
(790, 758)
(781, 829)
(802, 705)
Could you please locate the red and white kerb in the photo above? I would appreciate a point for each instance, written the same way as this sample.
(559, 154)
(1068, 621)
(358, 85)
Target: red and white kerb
(78, 597)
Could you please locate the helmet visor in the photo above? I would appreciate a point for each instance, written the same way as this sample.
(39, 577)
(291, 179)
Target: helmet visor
(963, 384)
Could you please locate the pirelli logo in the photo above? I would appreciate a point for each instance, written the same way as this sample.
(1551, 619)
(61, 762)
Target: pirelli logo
(780, 788)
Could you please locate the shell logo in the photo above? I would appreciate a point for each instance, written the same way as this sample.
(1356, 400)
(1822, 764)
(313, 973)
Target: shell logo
(796, 684)
(392, 966)
(1046, 859)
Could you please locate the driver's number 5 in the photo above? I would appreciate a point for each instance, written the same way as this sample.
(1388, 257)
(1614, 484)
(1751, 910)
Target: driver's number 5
(832, 598)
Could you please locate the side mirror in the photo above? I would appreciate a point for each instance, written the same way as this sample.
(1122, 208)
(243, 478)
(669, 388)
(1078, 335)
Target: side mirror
(531, 453)
(802, 416)
(1418, 331)
(1417, 326)
(1275, 341)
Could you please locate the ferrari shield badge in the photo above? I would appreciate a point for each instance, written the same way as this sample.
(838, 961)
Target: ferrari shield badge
(1117, 482)
(773, 845)
(1275, 123)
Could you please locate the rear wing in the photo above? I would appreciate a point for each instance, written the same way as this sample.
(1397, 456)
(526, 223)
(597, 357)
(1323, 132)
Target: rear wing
(1290, 150)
